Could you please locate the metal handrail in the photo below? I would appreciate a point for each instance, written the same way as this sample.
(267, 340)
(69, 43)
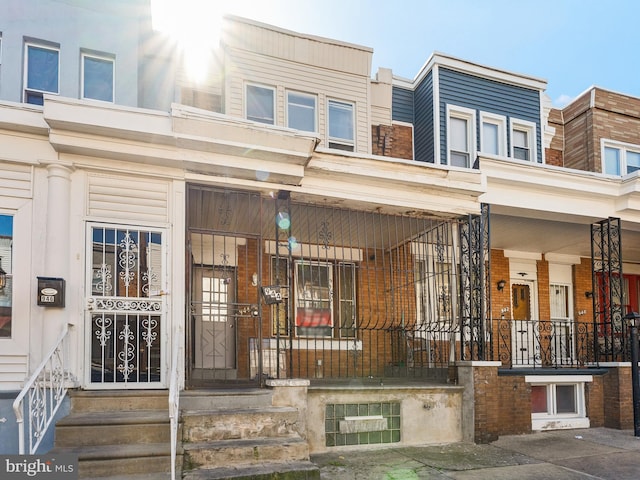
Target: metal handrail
(174, 397)
(45, 390)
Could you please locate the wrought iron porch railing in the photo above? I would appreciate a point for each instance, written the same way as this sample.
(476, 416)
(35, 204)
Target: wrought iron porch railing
(42, 395)
(174, 396)
(545, 343)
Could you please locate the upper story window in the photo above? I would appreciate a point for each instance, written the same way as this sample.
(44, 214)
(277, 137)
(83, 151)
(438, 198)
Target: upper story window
(341, 125)
(260, 104)
(42, 72)
(523, 140)
(461, 136)
(493, 136)
(97, 77)
(301, 111)
(619, 158)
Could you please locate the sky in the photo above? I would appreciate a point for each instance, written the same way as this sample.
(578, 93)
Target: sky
(572, 44)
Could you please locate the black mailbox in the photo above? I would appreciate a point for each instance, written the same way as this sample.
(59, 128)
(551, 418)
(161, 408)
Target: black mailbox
(50, 292)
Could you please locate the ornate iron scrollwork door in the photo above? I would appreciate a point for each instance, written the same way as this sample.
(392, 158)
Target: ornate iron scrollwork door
(125, 307)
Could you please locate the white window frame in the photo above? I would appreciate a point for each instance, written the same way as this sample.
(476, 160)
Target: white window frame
(469, 115)
(246, 102)
(530, 129)
(501, 122)
(350, 144)
(26, 90)
(0, 48)
(623, 149)
(552, 420)
(105, 58)
(315, 109)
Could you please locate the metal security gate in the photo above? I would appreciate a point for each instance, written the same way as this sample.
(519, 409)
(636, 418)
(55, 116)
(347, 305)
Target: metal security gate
(125, 307)
(359, 293)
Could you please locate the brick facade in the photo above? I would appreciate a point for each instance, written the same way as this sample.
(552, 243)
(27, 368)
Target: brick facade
(596, 115)
(392, 141)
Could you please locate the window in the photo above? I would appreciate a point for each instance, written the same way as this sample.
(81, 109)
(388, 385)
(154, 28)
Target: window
(558, 402)
(493, 137)
(523, 140)
(97, 77)
(619, 158)
(341, 125)
(461, 136)
(42, 72)
(260, 104)
(6, 277)
(301, 111)
(316, 295)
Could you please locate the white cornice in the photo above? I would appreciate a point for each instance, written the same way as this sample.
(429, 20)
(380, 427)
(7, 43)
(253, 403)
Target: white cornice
(464, 66)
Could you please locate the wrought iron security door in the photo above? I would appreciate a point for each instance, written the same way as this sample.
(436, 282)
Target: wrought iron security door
(125, 307)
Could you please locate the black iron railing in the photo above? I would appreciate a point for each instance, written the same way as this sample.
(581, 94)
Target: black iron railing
(546, 343)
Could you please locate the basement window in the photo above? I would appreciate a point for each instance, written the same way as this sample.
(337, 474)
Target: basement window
(558, 401)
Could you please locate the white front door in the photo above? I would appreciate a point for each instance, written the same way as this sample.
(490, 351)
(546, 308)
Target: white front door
(125, 313)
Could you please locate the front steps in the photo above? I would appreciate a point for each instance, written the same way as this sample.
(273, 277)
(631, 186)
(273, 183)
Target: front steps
(226, 434)
(240, 435)
(117, 434)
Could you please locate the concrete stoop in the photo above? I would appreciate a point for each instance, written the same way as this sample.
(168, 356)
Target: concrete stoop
(117, 434)
(237, 437)
(226, 434)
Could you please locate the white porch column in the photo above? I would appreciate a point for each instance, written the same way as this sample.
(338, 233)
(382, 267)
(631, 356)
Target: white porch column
(56, 250)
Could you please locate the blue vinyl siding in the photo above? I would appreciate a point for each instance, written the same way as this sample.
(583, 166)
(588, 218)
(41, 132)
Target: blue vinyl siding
(402, 105)
(423, 131)
(481, 94)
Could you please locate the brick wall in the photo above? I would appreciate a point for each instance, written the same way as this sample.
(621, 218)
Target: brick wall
(392, 141)
(597, 115)
(618, 398)
(486, 403)
(594, 399)
(553, 157)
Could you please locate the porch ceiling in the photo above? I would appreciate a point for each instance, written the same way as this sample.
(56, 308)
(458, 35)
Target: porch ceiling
(549, 236)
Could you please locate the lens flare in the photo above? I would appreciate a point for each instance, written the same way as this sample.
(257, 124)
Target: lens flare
(283, 221)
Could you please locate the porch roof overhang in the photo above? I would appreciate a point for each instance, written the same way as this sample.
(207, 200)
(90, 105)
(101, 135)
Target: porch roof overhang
(548, 209)
(186, 138)
(392, 185)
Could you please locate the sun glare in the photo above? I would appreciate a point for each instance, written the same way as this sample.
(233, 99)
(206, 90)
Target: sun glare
(194, 24)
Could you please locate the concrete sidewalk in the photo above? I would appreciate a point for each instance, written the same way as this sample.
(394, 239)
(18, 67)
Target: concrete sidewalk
(595, 453)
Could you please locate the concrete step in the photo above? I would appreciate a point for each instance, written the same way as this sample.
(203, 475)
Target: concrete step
(121, 460)
(244, 452)
(227, 398)
(121, 400)
(113, 428)
(280, 471)
(224, 424)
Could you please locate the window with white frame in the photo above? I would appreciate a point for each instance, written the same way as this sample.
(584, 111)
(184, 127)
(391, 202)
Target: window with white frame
(523, 140)
(620, 158)
(301, 111)
(558, 402)
(97, 73)
(341, 125)
(493, 138)
(41, 72)
(260, 104)
(461, 136)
